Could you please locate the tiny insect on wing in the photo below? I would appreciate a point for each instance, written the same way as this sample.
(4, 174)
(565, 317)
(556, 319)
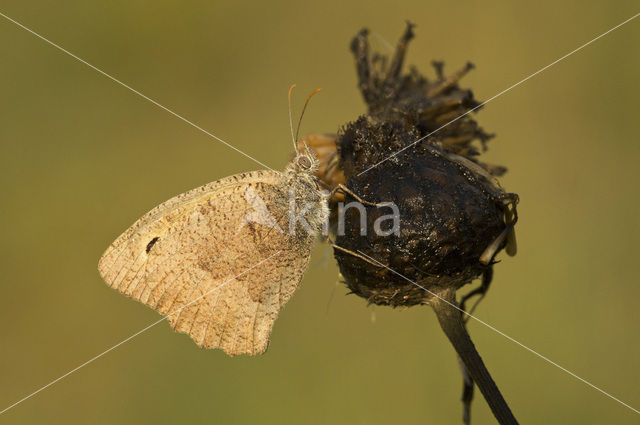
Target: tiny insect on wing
(193, 258)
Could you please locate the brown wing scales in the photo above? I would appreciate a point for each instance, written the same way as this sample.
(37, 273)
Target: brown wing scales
(188, 260)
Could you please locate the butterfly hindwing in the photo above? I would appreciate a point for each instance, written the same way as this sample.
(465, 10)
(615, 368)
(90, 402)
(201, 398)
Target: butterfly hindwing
(219, 278)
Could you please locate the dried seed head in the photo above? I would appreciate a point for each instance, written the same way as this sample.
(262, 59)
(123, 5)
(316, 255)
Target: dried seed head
(452, 211)
(453, 215)
(448, 216)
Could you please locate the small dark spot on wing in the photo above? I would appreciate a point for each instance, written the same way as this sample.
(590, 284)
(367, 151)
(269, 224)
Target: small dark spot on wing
(151, 243)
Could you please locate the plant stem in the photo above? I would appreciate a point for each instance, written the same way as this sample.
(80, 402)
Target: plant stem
(450, 319)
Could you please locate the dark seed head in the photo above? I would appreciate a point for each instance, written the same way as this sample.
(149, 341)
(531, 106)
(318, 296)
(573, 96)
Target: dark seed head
(448, 216)
(450, 207)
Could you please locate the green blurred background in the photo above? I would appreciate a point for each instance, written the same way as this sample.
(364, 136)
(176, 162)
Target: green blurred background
(81, 158)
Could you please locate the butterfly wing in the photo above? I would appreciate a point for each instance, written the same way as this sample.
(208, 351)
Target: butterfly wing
(217, 277)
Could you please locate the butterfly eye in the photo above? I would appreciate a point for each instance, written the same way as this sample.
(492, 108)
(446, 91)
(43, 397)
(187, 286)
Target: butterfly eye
(304, 162)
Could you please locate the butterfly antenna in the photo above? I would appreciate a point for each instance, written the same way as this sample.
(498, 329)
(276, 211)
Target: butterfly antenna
(304, 108)
(295, 145)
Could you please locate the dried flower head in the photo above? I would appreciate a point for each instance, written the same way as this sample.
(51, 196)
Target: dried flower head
(418, 147)
(454, 216)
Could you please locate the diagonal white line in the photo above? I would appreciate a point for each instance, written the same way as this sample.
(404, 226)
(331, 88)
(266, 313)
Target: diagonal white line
(134, 335)
(503, 334)
(502, 92)
(134, 91)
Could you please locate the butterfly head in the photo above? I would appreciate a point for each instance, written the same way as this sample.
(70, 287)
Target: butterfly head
(304, 162)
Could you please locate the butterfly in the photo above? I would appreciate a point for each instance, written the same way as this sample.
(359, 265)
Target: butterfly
(220, 261)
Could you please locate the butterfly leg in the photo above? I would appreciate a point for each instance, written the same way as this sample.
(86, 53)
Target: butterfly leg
(355, 254)
(344, 189)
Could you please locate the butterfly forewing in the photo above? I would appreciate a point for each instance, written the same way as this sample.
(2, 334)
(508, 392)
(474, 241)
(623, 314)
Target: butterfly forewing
(219, 278)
